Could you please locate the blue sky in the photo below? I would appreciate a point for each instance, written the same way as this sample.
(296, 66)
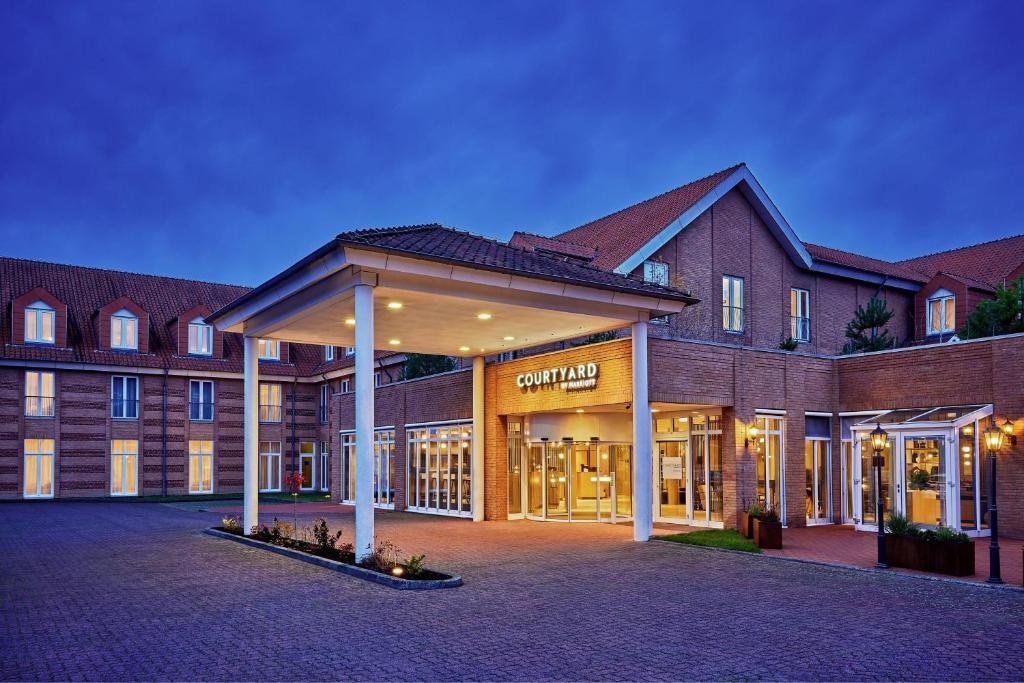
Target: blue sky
(225, 140)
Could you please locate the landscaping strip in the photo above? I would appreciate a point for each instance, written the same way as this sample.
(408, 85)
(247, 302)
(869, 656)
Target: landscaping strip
(728, 539)
(350, 569)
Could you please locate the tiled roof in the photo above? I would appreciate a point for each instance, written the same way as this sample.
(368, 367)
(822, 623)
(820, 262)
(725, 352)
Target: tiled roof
(86, 290)
(865, 263)
(619, 235)
(990, 262)
(531, 242)
(441, 243)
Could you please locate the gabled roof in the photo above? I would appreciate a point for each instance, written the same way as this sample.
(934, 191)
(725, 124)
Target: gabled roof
(440, 243)
(990, 262)
(865, 263)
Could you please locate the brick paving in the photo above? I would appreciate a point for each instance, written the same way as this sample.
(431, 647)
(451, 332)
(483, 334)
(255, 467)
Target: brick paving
(128, 591)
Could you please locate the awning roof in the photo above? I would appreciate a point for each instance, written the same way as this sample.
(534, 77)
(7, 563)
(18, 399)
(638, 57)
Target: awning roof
(916, 418)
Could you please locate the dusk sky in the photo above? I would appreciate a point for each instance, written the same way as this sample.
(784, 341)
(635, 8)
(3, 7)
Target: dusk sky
(225, 140)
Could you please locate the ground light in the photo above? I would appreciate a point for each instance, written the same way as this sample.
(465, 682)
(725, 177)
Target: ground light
(994, 437)
(879, 440)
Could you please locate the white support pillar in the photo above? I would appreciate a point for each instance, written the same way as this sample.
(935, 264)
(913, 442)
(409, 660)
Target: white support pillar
(478, 439)
(251, 435)
(643, 483)
(364, 420)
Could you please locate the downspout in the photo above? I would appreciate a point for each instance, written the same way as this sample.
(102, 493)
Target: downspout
(294, 468)
(163, 436)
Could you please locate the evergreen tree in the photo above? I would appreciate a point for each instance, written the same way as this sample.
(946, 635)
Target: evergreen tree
(1002, 315)
(423, 364)
(866, 332)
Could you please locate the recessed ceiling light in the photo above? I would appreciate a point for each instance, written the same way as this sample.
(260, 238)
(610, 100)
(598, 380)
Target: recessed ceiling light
(655, 410)
(508, 338)
(483, 316)
(394, 342)
(350, 321)
(395, 305)
(579, 410)
(463, 348)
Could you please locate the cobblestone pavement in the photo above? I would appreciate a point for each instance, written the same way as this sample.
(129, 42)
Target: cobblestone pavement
(116, 591)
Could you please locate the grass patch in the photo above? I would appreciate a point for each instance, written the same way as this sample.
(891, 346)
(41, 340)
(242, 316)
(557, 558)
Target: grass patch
(729, 539)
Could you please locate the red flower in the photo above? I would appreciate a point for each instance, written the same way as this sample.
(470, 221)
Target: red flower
(294, 482)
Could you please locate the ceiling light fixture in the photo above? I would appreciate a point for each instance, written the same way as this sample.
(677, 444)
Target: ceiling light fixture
(508, 338)
(483, 316)
(463, 348)
(394, 342)
(350, 321)
(395, 305)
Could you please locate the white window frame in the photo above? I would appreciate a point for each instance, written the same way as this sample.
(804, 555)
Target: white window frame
(729, 306)
(124, 331)
(656, 272)
(269, 465)
(38, 454)
(125, 402)
(350, 350)
(383, 462)
(325, 465)
(200, 338)
(129, 449)
(800, 310)
(41, 403)
(328, 353)
(436, 441)
(40, 323)
(325, 403)
(766, 423)
(201, 451)
(377, 379)
(268, 392)
(202, 402)
(944, 298)
(346, 386)
(269, 349)
(311, 455)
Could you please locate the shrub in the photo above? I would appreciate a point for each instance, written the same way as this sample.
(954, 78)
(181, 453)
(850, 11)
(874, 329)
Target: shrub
(899, 525)
(770, 516)
(383, 558)
(323, 539)
(788, 344)
(944, 533)
(231, 524)
(755, 510)
(414, 565)
(282, 529)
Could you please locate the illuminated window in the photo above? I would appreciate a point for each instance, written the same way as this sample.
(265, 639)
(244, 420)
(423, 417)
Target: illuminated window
(800, 314)
(270, 465)
(38, 468)
(941, 312)
(270, 403)
(383, 468)
(200, 338)
(732, 303)
(200, 467)
(39, 394)
(124, 331)
(270, 349)
(440, 469)
(40, 324)
(124, 467)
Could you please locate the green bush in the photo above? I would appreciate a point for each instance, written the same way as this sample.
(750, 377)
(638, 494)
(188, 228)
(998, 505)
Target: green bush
(755, 510)
(899, 525)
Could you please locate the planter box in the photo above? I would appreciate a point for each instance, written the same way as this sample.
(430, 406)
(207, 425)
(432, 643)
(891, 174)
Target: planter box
(767, 534)
(941, 557)
(350, 569)
(746, 525)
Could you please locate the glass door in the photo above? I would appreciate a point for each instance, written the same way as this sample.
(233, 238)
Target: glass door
(866, 501)
(535, 482)
(621, 460)
(587, 485)
(556, 500)
(817, 476)
(924, 479)
(672, 467)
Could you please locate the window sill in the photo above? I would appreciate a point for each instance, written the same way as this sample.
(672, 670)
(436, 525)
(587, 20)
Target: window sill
(33, 342)
(200, 420)
(124, 419)
(39, 417)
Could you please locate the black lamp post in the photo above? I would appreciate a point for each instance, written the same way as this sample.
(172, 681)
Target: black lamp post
(879, 440)
(993, 442)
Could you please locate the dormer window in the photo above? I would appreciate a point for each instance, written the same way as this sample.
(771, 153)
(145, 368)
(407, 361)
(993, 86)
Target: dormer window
(270, 349)
(656, 272)
(941, 308)
(124, 331)
(328, 353)
(40, 324)
(200, 338)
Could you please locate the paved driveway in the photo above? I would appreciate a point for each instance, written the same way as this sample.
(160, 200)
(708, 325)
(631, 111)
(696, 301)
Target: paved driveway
(134, 591)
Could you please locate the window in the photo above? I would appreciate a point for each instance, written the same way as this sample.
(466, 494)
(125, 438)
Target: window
(656, 272)
(506, 356)
(350, 350)
(307, 464)
(124, 467)
(770, 465)
(270, 465)
(39, 394)
(124, 398)
(376, 379)
(200, 338)
(383, 468)
(440, 469)
(269, 349)
(325, 465)
(200, 467)
(40, 324)
(346, 386)
(38, 468)
(732, 303)
(270, 403)
(200, 400)
(328, 353)
(124, 331)
(325, 402)
(800, 314)
(941, 312)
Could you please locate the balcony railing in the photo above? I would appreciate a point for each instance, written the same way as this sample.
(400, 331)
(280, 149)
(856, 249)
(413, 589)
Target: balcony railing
(200, 411)
(124, 408)
(800, 328)
(270, 413)
(39, 406)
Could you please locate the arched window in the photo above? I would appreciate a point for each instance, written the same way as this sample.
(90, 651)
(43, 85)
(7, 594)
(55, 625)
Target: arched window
(124, 331)
(40, 324)
(200, 338)
(941, 312)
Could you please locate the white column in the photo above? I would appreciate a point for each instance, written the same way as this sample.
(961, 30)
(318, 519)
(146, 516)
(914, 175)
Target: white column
(251, 439)
(364, 420)
(478, 439)
(643, 483)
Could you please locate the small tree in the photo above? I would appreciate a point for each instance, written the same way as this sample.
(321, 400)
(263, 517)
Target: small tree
(597, 338)
(422, 365)
(1002, 315)
(866, 332)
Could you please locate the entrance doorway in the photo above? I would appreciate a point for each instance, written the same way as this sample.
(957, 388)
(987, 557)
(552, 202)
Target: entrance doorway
(574, 481)
(688, 486)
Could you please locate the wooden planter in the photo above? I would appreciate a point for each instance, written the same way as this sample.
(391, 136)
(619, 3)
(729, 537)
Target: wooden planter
(746, 525)
(767, 534)
(941, 557)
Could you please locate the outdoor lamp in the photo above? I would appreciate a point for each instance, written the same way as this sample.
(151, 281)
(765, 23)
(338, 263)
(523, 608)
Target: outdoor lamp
(1008, 430)
(994, 437)
(752, 432)
(879, 440)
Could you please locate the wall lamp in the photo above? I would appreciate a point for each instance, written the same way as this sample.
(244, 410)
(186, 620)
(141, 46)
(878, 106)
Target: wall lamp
(752, 433)
(1008, 431)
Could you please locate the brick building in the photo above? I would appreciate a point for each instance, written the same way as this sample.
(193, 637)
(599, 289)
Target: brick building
(118, 384)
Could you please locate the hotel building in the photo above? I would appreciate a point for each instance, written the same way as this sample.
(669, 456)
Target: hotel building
(626, 370)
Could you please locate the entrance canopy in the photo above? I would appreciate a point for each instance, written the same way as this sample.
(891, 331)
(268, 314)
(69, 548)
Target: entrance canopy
(442, 291)
(942, 417)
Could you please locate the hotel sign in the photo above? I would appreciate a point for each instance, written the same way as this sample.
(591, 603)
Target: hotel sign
(567, 378)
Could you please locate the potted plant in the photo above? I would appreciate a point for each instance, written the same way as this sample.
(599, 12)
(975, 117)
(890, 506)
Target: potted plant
(768, 530)
(902, 543)
(747, 518)
(952, 552)
(942, 550)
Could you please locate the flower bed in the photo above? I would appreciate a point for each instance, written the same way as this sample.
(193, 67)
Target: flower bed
(320, 546)
(942, 551)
